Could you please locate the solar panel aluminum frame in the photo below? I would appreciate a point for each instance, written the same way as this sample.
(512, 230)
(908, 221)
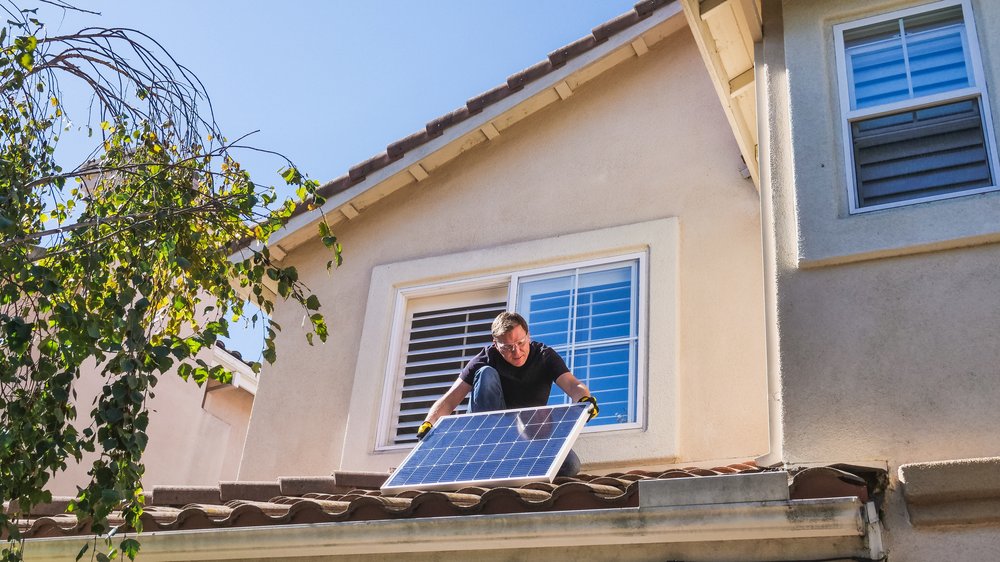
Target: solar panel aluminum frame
(392, 485)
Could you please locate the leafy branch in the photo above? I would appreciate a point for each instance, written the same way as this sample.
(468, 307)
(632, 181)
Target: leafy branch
(124, 262)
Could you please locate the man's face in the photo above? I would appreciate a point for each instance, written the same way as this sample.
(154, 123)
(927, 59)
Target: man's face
(513, 346)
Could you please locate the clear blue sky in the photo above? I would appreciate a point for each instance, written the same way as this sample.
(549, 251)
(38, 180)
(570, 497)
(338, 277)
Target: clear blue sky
(331, 83)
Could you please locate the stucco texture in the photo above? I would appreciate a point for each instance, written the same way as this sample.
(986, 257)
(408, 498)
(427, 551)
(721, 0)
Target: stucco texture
(883, 358)
(887, 321)
(826, 232)
(645, 141)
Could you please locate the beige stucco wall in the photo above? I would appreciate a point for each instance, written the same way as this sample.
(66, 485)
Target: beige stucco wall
(645, 142)
(886, 351)
(189, 443)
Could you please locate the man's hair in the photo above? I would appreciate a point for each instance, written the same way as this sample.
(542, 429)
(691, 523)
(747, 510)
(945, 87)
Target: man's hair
(507, 321)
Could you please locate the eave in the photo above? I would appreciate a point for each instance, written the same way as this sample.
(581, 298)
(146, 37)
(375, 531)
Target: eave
(726, 32)
(682, 528)
(735, 512)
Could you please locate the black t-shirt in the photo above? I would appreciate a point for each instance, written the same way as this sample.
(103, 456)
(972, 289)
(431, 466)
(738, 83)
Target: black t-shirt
(524, 386)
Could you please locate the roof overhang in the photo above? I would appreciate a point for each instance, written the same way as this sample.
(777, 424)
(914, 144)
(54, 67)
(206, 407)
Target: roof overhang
(726, 32)
(827, 528)
(750, 516)
(421, 162)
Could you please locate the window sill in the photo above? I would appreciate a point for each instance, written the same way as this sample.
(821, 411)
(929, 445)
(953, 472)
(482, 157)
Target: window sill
(620, 429)
(930, 226)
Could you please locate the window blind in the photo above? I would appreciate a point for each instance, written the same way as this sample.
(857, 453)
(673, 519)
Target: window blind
(931, 151)
(907, 58)
(439, 344)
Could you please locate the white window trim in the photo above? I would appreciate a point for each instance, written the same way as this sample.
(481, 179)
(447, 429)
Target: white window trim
(978, 90)
(657, 442)
(393, 382)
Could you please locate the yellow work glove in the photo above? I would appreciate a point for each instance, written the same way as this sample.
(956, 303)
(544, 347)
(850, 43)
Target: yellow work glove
(423, 429)
(593, 403)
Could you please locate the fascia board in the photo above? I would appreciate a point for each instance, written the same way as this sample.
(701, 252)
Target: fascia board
(293, 233)
(771, 520)
(739, 121)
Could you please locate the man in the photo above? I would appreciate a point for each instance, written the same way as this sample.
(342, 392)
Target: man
(513, 372)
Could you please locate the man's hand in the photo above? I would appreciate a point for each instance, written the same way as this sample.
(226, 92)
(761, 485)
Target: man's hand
(424, 428)
(593, 406)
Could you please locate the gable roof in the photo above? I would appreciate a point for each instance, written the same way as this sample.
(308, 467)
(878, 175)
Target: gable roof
(484, 117)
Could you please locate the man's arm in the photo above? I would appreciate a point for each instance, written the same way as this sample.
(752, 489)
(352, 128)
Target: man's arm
(578, 392)
(449, 401)
(572, 386)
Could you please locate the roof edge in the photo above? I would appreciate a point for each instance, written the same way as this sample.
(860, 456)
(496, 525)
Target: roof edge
(484, 117)
(794, 520)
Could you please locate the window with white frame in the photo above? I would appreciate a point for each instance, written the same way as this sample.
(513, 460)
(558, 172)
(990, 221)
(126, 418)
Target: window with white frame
(590, 316)
(588, 312)
(917, 121)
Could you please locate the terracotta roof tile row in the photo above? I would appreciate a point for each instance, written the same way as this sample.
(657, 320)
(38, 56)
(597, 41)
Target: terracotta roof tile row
(351, 496)
(515, 83)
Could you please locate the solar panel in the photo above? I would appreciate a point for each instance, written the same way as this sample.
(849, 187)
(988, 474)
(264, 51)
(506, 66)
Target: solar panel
(507, 447)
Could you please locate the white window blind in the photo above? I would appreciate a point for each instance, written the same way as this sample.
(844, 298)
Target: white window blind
(907, 58)
(438, 344)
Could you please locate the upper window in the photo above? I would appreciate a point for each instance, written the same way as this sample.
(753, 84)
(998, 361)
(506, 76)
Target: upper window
(917, 119)
(589, 313)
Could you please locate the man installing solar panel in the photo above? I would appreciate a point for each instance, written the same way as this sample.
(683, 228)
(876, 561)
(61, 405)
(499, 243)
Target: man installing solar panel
(513, 372)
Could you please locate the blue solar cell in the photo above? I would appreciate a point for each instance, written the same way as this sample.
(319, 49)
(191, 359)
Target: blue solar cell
(500, 448)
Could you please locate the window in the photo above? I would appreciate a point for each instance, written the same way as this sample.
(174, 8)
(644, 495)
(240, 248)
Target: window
(589, 313)
(590, 316)
(917, 121)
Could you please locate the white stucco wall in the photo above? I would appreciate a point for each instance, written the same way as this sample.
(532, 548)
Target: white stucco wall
(887, 320)
(645, 142)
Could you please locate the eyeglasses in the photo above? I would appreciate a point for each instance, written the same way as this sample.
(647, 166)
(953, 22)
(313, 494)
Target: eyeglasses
(510, 347)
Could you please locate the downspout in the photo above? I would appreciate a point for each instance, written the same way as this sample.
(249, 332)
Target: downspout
(771, 81)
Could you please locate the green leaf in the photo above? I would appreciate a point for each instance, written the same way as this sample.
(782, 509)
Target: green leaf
(269, 355)
(26, 61)
(312, 303)
(130, 547)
